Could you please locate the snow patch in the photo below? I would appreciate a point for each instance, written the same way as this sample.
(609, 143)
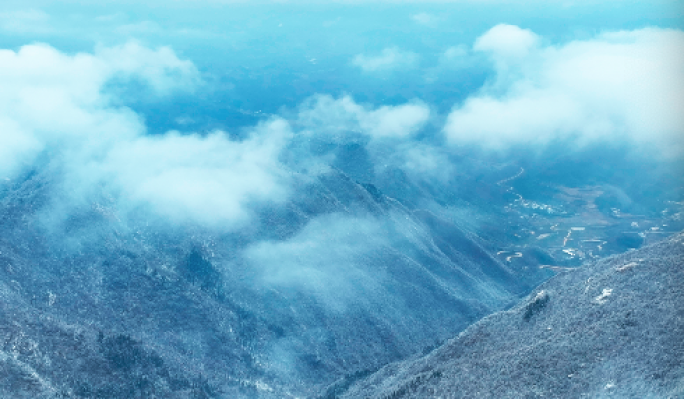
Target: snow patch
(626, 267)
(603, 298)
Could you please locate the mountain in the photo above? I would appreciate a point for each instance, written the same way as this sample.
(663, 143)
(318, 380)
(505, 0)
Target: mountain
(613, 328)
(97, 303)
(359, 267)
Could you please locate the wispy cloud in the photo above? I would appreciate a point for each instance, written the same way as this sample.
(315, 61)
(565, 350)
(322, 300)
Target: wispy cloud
(454, 54)
(57, 102)
(391, 58)
(420, 160)
(335, 117)
(327, 259)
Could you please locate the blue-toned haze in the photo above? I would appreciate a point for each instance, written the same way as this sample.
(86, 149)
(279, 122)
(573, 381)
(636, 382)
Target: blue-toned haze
(256, 199)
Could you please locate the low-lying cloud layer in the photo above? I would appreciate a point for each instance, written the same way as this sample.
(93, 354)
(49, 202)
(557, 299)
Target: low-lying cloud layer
(51, 100)
(327, 258)
(207, 179)
(623, 86)
(325, 114)
(59, 103)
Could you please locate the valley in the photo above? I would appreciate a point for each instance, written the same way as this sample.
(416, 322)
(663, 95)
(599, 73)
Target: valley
(572, 228)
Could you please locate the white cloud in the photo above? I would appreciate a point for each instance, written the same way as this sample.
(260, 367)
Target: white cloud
(328, 259)
(50, 99)
(60, 103)
(424, 161)
(391, 58)
(626, 85)
(395, 121)
(507, 41)
(324, 114)
(57, 102)
(201, 179)
(160, 68)
(391, 130)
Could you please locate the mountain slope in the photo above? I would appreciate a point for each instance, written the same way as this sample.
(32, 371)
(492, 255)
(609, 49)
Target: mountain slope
(614, 328)
(339, 279)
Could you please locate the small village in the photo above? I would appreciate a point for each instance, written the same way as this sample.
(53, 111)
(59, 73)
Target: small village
(573, 229)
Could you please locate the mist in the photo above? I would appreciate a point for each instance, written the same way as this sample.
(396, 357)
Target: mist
(288, 213)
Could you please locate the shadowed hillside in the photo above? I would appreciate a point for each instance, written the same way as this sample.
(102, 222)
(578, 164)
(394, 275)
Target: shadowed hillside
(339, 279)
(611, 329)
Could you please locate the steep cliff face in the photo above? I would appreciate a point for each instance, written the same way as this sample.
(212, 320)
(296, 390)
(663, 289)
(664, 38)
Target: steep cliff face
(613, 328)
(338, 280)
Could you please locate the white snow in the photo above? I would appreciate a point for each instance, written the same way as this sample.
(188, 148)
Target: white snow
(603, 298)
